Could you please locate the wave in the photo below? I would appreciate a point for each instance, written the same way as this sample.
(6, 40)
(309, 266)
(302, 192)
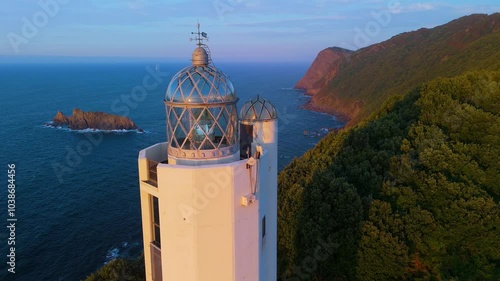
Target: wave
(112, 254)
(124, 250)
(291, 89)
(84, 131)
(332, 117)
(90, 130)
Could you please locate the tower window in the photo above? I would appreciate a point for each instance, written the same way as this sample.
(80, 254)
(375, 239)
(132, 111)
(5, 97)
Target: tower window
(264, 227)
(246, 139)
(156, 221)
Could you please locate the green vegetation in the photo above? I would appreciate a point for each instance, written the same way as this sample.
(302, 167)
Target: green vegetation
(410, 194)
(120, 270)
(398, 65)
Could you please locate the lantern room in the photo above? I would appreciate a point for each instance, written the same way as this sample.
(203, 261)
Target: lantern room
(202, 119)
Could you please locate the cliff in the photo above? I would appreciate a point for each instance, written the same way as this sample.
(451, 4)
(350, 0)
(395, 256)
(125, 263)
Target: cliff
(326, 65)
(80, 120)
(355, 86)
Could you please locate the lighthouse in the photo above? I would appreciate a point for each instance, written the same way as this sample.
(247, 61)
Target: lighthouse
(209, 193)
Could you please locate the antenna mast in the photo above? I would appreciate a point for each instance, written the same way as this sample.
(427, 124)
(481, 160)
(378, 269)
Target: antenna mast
(200, 38)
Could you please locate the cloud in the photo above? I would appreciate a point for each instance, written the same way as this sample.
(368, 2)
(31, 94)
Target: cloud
(417, 7)
(267, 22)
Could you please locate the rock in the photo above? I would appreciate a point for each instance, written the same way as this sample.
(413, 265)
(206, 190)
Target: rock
(60, 119)
(80, 120)
(326, 65)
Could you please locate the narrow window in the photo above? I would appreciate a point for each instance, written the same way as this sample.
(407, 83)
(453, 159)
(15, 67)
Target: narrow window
(156, 222)
(246, 139)
(263, 226)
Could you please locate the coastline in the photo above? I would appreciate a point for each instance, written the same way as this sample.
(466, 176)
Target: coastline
(309, 105)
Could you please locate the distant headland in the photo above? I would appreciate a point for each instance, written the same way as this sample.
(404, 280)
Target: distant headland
(353, 85)
(81, 120)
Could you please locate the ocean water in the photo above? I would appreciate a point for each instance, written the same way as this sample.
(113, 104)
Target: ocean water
(77, 193)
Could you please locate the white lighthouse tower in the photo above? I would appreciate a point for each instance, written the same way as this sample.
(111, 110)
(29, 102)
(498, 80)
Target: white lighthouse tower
(209, 194)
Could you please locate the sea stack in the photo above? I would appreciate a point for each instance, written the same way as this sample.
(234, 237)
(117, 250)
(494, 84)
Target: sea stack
(81, 120)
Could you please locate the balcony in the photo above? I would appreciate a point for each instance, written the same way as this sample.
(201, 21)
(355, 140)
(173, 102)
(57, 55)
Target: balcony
(149, 159)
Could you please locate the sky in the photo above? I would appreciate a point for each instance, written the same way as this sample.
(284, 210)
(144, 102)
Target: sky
(238, 30)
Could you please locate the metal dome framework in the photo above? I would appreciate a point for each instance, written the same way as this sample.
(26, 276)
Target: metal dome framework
(201, 114)
(258, 109)
(200, 84)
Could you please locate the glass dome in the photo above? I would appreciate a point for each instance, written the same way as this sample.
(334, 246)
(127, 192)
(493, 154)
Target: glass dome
(258, 109)
(200, 84)
(201, 113)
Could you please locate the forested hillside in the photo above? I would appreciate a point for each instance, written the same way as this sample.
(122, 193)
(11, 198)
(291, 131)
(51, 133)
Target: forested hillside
(411, 194)
(359, 85)
(120, 270)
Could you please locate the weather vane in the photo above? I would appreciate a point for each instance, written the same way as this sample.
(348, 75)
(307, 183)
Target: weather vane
(200, 36)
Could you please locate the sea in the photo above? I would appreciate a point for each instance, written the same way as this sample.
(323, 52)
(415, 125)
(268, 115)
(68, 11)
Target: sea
(76, 192)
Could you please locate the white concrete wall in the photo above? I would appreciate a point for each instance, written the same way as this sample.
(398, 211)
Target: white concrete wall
(157, 152)
(206, 234)
(154, 153)
(266, 136)
(246, 226)
(147, 232)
